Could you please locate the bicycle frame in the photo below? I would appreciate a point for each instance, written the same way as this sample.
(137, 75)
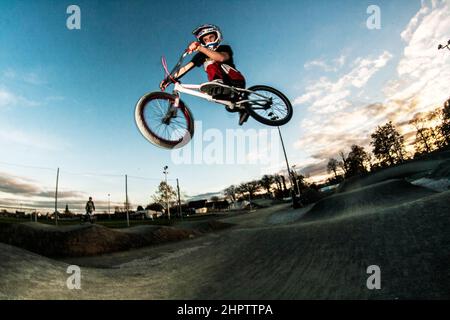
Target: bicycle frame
(194, 90)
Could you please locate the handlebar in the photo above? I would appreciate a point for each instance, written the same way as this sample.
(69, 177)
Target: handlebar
(170, 75)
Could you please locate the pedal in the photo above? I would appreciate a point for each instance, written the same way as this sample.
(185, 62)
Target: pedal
(243, 118)
(235, 109)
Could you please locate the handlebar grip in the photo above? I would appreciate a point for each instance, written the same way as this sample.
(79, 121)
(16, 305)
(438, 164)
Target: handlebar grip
(170, 79)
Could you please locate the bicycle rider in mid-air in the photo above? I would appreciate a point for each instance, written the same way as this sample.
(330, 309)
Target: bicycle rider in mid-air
(218, 63)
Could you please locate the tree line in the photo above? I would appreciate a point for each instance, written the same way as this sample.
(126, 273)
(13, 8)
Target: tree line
(388, 145)
(388, 148)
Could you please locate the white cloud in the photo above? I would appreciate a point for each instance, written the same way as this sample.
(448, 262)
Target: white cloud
(365, 69)
(28, 77)
(423, 71)
(54, 98)
(9, 74)
(20, 137)
(7, 98)
(13, 137)
(407, 33)
(326, 96)
(33, 78)
(316, 63)
(332, 66)
(10, 99)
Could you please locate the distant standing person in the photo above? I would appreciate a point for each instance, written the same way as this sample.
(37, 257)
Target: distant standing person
(90, 208)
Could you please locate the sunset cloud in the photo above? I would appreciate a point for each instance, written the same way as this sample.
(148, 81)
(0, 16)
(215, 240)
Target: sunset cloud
(18, 186)
(334, 122)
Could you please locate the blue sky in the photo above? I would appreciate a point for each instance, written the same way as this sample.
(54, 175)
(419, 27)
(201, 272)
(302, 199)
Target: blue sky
(67, 96)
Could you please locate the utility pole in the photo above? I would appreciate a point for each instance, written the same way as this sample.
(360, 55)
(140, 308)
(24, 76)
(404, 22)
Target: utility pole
(109, 206)
(56, 197)
(126, 199)
(167, 191)
(179, 201)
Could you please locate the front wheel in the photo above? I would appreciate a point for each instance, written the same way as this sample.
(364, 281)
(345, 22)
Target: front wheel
(268, 106)
(161, 122)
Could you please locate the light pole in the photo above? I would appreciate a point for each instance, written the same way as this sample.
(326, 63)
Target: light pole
(288, 168)
(126, 200)
(179, 201)
(56, 197)
(296, 178)
(167, 191)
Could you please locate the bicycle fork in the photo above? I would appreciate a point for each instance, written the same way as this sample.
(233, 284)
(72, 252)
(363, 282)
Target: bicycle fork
(172, 110)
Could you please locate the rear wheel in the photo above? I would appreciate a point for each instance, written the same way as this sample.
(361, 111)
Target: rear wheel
(163, 124)
(269, 106)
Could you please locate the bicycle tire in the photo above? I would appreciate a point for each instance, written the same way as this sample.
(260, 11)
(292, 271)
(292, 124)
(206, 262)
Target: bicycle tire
(264, 120)
(151, 135)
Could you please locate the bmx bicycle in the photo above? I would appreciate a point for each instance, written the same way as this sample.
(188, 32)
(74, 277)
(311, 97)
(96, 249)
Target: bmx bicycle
(88, 217)
(166, 121)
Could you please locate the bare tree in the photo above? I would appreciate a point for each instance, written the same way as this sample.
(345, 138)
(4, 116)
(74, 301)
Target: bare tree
(231, 192)
(332, 166)
(343, 163)
(426, 137)
(165, 194)
(444, 127)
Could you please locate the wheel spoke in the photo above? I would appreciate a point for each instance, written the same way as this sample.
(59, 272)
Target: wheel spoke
(159, 106)
(158, 118)
(156, 111)
(277, 109)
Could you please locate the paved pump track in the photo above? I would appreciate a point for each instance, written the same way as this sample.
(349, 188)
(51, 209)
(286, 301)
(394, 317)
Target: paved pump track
(318, 252)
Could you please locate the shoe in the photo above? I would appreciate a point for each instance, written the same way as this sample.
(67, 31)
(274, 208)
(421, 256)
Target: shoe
(215, 88)
(243, 117)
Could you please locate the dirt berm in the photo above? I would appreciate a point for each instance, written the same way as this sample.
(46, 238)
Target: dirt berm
(88, 240)
(378, 196)
(416, 169)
